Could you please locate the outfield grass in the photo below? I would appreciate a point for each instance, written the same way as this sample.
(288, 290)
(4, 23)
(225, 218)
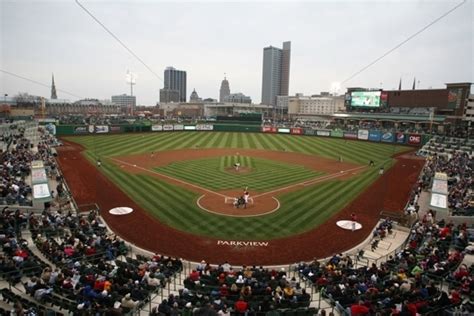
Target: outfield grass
(264, 174)
(300, 211)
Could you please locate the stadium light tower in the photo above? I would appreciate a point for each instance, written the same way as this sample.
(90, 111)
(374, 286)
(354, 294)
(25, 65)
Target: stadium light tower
(131, 79)
(335, 88)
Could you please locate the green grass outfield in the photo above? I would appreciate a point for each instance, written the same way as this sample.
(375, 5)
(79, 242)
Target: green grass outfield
(300, 210)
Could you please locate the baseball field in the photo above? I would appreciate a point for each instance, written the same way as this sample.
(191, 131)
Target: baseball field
(184, 181)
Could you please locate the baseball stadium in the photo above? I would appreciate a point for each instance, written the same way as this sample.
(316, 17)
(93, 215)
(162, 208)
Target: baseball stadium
(354, 202)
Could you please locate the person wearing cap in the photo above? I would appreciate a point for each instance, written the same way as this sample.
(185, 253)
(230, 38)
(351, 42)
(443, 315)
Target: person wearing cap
(128, 302)
(201, 266)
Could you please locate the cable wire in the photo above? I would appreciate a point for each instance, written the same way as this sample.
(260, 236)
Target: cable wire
(403, 42)
(38, 83)
(118, 40)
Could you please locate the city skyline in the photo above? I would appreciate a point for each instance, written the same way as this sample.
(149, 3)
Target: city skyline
(275, 72)
(330, 42)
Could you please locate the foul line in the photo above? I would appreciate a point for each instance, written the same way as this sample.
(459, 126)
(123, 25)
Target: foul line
(171, 178)
(305, 183)
(313, 181)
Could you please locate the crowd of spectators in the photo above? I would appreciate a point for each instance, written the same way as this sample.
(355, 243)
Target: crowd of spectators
(15, 167)
(459, 169)
(221, 290)
(15, 188)
(406, 284)
(447, 145)
(89, 272)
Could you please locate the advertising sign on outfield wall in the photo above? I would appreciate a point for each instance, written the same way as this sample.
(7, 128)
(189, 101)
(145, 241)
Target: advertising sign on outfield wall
(309, 131)
(91, 129)
(388, 137)
(284, 130)
(321, 132)
(400, 138)
(363, 134)
(350, 135)
(204, 127)
(269, 129)
(189, 127)
(156, 128)
(115, 129)
(337, 133)
(100, 129)
(375, 136)
(167, 127)
(80, 130)
(296, 131)
(178, 127)
(414, 139)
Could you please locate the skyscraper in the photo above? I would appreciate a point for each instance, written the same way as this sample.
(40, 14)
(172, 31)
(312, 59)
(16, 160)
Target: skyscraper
(53, 90)
(225, 90)
(276, 72)
(176, 80)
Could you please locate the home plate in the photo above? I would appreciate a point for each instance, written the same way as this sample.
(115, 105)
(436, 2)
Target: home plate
(349, 225)
(121, 211)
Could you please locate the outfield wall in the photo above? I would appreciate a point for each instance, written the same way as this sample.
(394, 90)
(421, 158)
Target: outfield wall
(412, 139)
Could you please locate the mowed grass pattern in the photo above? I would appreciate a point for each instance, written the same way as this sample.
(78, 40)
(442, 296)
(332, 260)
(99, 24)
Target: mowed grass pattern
(300, 210)
(264, 174)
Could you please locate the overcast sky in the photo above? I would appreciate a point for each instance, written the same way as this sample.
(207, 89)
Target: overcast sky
(330, 41)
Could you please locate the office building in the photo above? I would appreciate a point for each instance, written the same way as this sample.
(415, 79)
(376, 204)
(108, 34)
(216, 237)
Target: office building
(225, 90)
(168, 95)
(126, 102)
(176, 80)
(276, 73)
(322, 105)
(237, 98)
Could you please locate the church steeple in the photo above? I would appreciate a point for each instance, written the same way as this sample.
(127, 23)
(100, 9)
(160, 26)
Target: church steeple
(53, 90)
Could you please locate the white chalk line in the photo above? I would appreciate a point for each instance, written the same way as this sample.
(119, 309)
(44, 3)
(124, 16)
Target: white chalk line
(171, 178)
(312, 181)
(243, 215)
(305, 183)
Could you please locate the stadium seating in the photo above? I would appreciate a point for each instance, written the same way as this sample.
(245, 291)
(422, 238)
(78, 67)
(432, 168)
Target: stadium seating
(88, 270)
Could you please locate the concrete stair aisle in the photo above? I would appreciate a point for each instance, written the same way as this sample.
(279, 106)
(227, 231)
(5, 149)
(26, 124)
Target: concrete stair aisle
(386, 247)
(317, 301)
(172, 287)
(26, 234)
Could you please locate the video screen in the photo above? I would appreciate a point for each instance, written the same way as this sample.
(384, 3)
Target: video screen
(365, 98)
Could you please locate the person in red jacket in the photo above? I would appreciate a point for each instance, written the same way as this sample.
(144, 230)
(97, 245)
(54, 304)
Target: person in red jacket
(359, 309)
(241, 306)
(194, 276)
